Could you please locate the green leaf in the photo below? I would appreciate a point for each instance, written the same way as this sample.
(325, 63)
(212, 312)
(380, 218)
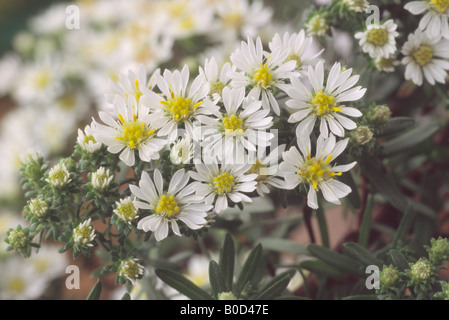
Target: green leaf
(362, 297)
(249, 268)
(404, 226)
(411, 138)
(365, 226)
(361, 254)
(95, 292)
(283, 245)
(398, 260)
(339, 261)
(216, 279)
(385, 185)
(321, 268)
(126, 296)
(321, 218)
(395, 125)
(227, 260)
(275, 286)
(182, 284)
(353, 197)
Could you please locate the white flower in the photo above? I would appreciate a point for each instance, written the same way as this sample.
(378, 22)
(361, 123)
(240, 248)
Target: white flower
(127, 129)
(379, 40)
(316, 172)
(356, 5)
(131, 269)
(386, 64)
(317, 25)
(425, 56)
(176, 106)
(267, 169)
(264, 73)
(216, 77)
(38, 207)
(84, 234)
(167, 207)
(219, 184)
(48, 263)
(126, 210)
(435, 21)
(86, 140)
(323, 102)
(101, 179)
(182, 151)
(299, 48)
(238, 128)
(58, 176)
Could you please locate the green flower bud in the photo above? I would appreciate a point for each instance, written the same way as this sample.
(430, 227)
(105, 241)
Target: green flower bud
(379, 115)
(38, 207)
(317, 25)
(19, 240)
(389, 276)
(421, 271)
(362, 135)
(439, 250)
(226, 296)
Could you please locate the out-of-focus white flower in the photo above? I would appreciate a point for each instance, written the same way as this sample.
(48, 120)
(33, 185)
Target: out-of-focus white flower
(48, 262)
(435, 20)
(323, 102)
(317, 25)
(316, 172)
(167, 207)
(387, 64)
(9, 72)
(424, 56)
(356, 5)
(379, 40)
(261, 70)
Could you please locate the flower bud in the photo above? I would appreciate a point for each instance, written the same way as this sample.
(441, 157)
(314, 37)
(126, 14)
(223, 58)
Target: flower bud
(439, 250)
(362, 135)
(101, 179)
(421, 271)
(18, 239)
(131, 269)
(389, 276)
(84, 234)
(58, 176)
(317, 25)
(38, 207)
(126, 210)
(226, 296)
(379, 115)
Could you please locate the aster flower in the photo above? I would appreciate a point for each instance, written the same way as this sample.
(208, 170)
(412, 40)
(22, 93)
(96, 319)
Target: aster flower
(182, 151)
(228, 134)
(84, 234)
(324, 102)
(128, 128)
(178, 203)
(379, 40)
(126, 210)
(58, 176)
(386, 64)
(425, 56)
(86, 140)
(356, 5)
(317, 25)
(219, 184)
(435, 20)
(176, 105)
(131, 269)
(261, 71)
(316, 172)
(101, 178)
(299, 48)
(216, 77)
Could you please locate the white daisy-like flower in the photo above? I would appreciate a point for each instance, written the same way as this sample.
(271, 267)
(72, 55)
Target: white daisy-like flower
(379, 40)
(176, 105)
(386, 64)
(182, 151)
(262, 71)
(242, 126)
(219, 184)
(216, 77)
(102, 178)
(425, 56)
(129, 128)
(58, 176)
(323, 102)
(131, 269)
(267, 169)
(176, 203)
(84, 234)
(356, 5)
(299, 48)
(126, 210)
(435, 20)
(86, 140)
(317, 172)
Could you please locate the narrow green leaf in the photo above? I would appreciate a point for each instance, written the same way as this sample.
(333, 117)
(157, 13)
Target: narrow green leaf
(182, 284)
(249, 268)
(95, 292)
(321, 268)
(217, 282)
(385, 185)
(404, 226)
(227, 260)
(395, 125)
(362, 297)
(322, 224)
(275, 286)
(336, 259)
(365, 226)
(398, 259)
(361, 254)
(283, 245)
(411, 138)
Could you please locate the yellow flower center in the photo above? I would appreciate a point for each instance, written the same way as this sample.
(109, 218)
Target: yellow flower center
(16, 285)
(223, 183)
(41, 265)
(134, 132)
(422, 55)
(42, 79)
(378, 36)
(127, 211)
(294, 57)
(83, 233)
(324, 104)
(89, 138)
(217, 87)
(263, 77)
(315, 171)
(233, 124)
(384, 63)
(233, 19)
(440, 5)
(180, 108)
(258, 168)
(167, 206)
